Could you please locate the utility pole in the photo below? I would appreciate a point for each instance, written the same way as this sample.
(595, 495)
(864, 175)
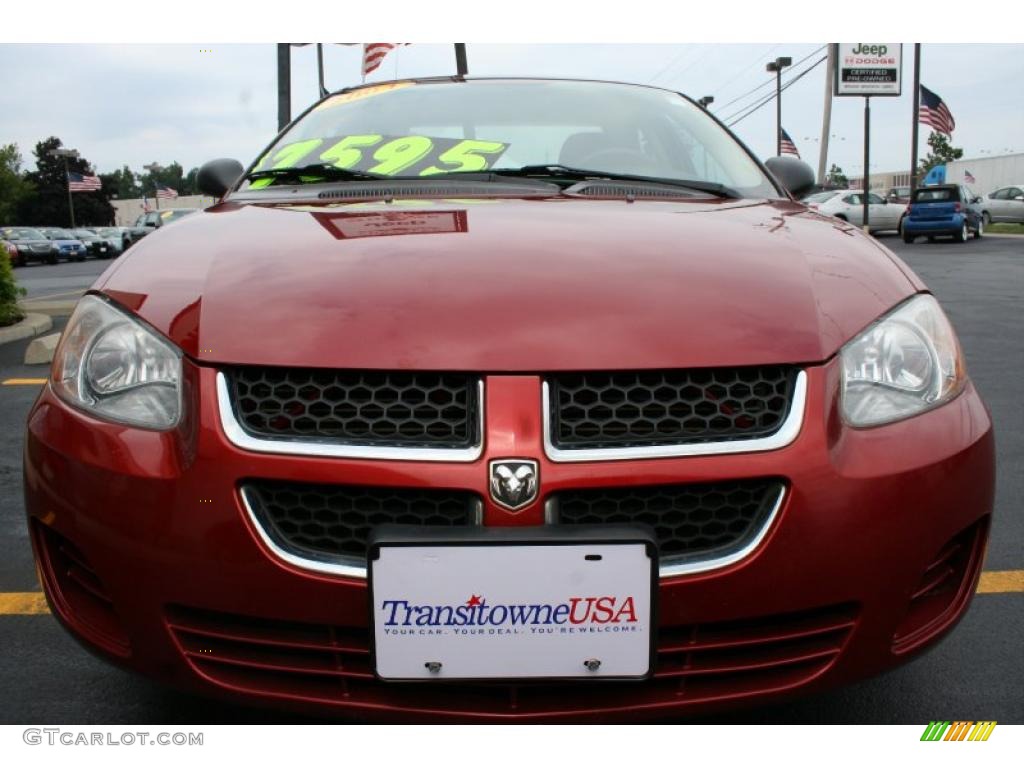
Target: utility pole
(66, 153)
(153, 169)
(867, 158)
(461, 65)
(284, 85)
(826, 120)
(320, 68)
(777, 67)
(915, 118)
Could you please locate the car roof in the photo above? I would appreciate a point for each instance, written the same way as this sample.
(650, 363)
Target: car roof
(456, 80)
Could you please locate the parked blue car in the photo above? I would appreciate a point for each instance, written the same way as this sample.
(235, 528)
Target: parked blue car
(942, 209)
(68, 246)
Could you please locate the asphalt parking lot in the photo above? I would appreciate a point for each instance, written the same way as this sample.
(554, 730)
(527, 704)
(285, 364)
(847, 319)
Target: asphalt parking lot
(975, 674)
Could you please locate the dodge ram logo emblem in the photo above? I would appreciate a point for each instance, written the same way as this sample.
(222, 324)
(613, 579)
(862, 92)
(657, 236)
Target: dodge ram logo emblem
(513, 482)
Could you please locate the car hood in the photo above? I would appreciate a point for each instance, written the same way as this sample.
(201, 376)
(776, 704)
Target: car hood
(510, 285)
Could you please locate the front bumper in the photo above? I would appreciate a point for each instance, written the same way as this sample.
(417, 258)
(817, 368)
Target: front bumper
(149, 558)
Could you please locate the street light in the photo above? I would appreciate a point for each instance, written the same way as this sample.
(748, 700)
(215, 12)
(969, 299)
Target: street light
(777, 67)
(705, 100)
(66, 153)
(154, 168)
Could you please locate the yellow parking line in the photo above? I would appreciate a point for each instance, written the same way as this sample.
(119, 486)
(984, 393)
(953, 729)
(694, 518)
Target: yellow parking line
(22, 382)
(33, 603)
(1001, 581)
(22, 604)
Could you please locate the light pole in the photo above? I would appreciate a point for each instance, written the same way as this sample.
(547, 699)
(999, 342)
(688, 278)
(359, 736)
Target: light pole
(705, 100)
(154, 168)
(777, 67)
(66, 153)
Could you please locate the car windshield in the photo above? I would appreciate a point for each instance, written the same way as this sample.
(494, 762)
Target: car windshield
(169, 216)
(820, 197)
(935, 195)
(23, 233)
(80, 233)
(420, 129)
(108, 231)
(58, 234)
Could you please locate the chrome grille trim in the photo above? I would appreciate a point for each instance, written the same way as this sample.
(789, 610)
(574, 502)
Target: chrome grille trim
(298, 447)
(782, 437)
(342, 566)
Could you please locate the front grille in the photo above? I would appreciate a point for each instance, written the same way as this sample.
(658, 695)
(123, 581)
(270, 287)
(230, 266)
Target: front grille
(331, 664)
(403, 409)
(698, 521)
(622, 410)
(334, 521)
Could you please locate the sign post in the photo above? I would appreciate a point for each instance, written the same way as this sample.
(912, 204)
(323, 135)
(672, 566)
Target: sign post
(868, 69)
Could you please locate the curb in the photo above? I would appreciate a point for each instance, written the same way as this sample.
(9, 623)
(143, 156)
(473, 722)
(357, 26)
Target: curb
(62, 308)
(32, 325)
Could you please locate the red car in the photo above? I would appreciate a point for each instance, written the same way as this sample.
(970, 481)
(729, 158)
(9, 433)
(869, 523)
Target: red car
(508, 400)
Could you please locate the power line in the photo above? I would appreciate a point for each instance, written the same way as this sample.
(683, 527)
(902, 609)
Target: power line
(738, 75)
(770, 81)
(770, 98)
(677, 59)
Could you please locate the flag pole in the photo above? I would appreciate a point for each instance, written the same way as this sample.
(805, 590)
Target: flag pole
(867, 160)
(71, 202)
(915, 117)
(826, 119)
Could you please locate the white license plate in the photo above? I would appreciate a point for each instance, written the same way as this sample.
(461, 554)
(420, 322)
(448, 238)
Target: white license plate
(553, 610)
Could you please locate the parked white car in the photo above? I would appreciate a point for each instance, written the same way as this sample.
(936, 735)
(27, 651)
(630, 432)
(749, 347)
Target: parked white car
(849, 206)
(1006, 204)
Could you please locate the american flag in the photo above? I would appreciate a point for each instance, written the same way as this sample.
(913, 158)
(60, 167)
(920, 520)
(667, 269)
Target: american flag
(373, 55)
(166, 193)
(935, 113)
(787, 145)
(80, 182)
(969, 177)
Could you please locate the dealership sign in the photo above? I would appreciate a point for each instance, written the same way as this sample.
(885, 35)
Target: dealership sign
(868, 69)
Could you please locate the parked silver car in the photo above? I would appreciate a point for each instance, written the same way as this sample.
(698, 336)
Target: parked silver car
(849, 206)
(1004, 205)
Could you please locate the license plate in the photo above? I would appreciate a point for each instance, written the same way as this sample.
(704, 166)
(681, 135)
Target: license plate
(487, 606)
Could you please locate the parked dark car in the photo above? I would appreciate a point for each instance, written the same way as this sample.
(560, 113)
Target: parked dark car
(30, 245)
(943, 209)
(96, 245)
(68, 246)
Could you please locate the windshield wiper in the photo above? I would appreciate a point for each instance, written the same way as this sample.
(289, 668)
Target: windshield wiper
(555, 171)
(319, 171)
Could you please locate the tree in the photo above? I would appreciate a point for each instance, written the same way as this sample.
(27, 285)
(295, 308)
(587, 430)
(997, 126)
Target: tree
(49, 206)
(836, 177)
(123, 183)
(14, 189)
(942, 152)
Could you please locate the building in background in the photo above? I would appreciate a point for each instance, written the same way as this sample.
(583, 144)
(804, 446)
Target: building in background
(980, 174)
(127, 211)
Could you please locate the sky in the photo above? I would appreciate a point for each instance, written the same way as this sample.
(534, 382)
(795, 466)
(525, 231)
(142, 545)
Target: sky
(136, 104)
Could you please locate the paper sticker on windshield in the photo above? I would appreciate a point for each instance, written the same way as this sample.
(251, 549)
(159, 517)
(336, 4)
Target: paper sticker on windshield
(360, 93)
(389, 155)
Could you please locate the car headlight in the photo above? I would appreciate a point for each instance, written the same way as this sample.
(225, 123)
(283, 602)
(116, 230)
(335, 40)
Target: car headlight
(907, 362)
(112, 365)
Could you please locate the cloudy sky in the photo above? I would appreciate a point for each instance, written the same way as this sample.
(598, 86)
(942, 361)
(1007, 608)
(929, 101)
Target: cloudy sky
(135, 104)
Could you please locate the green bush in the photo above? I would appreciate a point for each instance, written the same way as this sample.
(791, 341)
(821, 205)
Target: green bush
(10, 292)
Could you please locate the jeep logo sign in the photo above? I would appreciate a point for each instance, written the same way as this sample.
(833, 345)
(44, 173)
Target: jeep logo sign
(868, 69)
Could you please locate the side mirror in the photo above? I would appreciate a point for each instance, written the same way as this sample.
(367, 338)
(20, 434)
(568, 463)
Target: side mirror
(795, 175)
(217, 176)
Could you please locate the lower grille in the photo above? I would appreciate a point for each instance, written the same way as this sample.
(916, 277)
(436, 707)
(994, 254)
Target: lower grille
(693, 522)
(331, 664)
(334, 521)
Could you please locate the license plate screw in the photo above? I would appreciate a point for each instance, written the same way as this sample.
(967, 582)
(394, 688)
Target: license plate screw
(435, 666)
(592, 664)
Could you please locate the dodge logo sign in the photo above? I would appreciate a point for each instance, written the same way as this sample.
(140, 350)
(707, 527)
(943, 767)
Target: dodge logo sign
(513, 482)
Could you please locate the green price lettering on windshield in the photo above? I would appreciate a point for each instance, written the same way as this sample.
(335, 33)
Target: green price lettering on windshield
(468, 155)
(347, 152)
